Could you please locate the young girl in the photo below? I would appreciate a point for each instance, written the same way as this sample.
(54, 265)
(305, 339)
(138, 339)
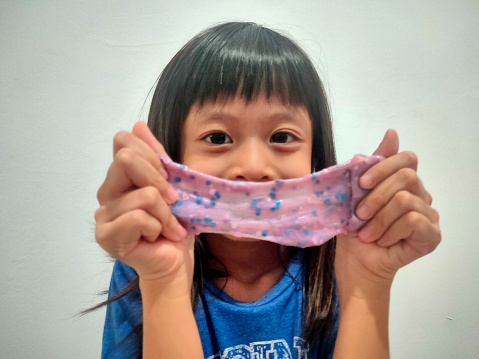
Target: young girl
(242, 102)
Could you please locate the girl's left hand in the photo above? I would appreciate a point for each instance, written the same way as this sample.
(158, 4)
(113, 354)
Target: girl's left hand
(402, 224)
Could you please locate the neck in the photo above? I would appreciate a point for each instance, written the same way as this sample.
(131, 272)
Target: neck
(254, 267)
(246, 261)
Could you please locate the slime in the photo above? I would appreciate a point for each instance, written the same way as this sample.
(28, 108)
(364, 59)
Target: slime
(301, 212)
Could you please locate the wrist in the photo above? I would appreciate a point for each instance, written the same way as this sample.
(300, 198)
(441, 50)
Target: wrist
(368, 289)
(175, 289)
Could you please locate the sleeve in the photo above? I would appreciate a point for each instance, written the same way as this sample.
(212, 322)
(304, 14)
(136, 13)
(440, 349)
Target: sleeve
(122, 336)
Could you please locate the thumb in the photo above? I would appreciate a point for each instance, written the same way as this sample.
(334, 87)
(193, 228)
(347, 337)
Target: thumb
(389, 145)
(141, 130)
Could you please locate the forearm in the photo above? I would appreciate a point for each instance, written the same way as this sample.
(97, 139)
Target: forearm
(169, 326)
(363, 326)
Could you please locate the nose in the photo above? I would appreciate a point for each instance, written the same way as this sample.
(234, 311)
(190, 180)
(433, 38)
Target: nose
(252, 162)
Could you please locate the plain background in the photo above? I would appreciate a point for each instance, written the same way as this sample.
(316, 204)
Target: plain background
(74, 73)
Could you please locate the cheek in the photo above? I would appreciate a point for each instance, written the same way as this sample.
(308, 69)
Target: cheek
(297, 167)
(205, 164)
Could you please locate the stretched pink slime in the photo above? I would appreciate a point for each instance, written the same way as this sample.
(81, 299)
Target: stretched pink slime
(301, 212)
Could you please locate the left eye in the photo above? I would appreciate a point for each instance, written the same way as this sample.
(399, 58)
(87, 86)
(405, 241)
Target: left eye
(218, 138)
(283, 137)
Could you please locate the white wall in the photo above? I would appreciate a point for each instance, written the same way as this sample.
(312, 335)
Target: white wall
(72, 75)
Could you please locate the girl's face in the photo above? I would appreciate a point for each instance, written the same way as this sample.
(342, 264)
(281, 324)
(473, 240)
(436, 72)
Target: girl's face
(262, 141)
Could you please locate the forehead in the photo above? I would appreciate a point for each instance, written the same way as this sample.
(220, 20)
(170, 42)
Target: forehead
(258, 109)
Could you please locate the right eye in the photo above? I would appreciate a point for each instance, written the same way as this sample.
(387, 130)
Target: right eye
(218, 138)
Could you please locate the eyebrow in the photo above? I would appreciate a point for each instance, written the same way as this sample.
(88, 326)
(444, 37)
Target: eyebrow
(216, 115)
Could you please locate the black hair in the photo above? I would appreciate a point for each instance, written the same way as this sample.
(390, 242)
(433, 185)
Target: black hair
(243, 59)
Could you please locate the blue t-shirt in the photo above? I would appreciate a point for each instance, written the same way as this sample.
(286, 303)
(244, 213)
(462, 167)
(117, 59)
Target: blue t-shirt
(268, 328)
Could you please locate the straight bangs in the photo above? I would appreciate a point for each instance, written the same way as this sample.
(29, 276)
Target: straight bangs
(245, 61)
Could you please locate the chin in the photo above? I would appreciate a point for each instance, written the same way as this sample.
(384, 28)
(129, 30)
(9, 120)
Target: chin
(240, 239)
(234, 238)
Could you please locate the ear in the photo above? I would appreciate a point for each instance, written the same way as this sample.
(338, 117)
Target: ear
(389, 145)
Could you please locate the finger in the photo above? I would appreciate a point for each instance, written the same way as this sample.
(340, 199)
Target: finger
(142, 131)
(130, 170)
(149, 200)
(410, 238)
(389, 146)
(384, 169)
(402, 203)
(412, 227)
(125, 139)
(121, 236)
(428, 197)
(405, 179)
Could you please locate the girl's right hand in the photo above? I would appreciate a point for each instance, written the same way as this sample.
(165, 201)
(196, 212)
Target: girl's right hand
(134, 223)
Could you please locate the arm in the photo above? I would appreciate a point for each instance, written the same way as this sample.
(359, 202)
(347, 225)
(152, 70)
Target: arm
(169, 327)
(363, 324)
(402, 227)
(135, 225)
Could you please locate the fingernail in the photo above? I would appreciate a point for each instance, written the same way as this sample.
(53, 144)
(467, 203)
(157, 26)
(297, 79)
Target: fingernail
(366, 181)
(163, 172)
(181, 231)
(171, 195)
(362, 212)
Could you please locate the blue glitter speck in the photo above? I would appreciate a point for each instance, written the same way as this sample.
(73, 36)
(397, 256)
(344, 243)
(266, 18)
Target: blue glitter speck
(329, 188)
(213, 224)
(258, 211)
(272, 195)
(207, 220)
(208, 183)
(306, 231)
(254, 203)
(314, 175)
(182, 167)
(217, 194)
(317, 181)
(198, 199)
(315, 213)
(273, 209)
(178, 179)
(327, 201)
(273, 189)
(264, 234)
